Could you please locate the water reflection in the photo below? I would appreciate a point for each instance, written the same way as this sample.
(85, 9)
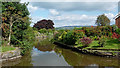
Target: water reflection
(25, 60)
(48, 58)
(78, 59)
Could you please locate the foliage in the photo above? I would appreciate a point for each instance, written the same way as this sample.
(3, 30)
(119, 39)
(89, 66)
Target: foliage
(114, 28)
(117, 31)
(109, 44)
(117, 36)
(35, 29)
(6, 48)
(96, 38)
(46, 31)
(21, 32)
(56, 35)
(43, 30)
(102, 41)
(47, 24)
(98, 31)
(69, 38)
(102, 20)
(110, 34)
(11, 16)
(61, 37)
(79, 33)
(85, 41)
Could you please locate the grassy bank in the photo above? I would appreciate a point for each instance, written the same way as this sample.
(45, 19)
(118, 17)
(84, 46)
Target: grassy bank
(6, 48)
(110, 44)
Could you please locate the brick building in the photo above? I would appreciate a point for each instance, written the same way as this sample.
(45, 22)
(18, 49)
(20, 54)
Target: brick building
(117, 20)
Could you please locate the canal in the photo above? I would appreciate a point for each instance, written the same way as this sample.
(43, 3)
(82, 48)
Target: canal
(48, 54)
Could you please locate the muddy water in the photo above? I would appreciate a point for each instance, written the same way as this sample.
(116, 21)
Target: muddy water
(52, 55)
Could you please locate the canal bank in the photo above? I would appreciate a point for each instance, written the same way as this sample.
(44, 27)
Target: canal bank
(96, 52)
(10, 56)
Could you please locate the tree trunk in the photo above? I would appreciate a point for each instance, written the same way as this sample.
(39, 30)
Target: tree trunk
(9, 39)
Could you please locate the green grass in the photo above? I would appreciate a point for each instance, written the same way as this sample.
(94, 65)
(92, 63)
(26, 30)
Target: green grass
(6, 48)
(110, 44)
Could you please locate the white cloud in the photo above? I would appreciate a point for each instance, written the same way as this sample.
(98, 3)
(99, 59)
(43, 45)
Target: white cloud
(35, 19)
(78, 20)
(32, 8)
(111, 17)
(73, 20)
(54, 12)
(77, 6)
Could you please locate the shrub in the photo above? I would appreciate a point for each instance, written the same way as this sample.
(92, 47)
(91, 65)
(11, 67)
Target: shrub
(96, 38)
(56, 35)
(79, 33)
(43, 30)
(85, 41)
(69, 38)
(116, 36)
(102, 41)
(118, 31)
(87, 32)
(92, 37)
(61, 37)
(110, 34)
(114, 28)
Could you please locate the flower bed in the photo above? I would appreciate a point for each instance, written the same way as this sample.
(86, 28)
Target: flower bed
(103, 37)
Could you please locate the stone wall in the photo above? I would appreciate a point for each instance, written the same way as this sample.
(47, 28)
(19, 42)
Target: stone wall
(10, 55)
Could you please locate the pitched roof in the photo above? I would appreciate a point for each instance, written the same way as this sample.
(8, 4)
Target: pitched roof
(117, 16)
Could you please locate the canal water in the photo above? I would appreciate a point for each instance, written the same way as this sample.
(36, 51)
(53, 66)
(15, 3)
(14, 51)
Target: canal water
(52, 55)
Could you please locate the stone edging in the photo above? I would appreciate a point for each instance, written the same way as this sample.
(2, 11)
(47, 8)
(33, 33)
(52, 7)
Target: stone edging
(92, 52)
(10, 55)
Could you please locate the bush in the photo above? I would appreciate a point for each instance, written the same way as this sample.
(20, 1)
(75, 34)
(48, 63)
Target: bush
(61, 37)
(118, 31)
(56, 35)
(96, 38)
(110, 34)
(85, 41)
(102, 41)
(116, 36)
(79, 33)
(114, 27)
(43, 30)
(68, 38)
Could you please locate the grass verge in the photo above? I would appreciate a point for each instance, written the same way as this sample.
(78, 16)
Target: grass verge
(110, 44)
(6, 48)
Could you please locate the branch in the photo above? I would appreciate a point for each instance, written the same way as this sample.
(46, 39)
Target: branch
(18, 19)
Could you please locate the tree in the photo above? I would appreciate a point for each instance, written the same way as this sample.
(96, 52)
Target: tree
(16, 25)
(15, 17)
(47, 24)
(12, 14)
(102, 20)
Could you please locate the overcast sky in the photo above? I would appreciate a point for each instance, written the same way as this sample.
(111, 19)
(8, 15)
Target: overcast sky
(72, 13)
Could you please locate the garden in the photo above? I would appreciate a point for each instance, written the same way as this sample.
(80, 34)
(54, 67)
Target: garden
(99, 37)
